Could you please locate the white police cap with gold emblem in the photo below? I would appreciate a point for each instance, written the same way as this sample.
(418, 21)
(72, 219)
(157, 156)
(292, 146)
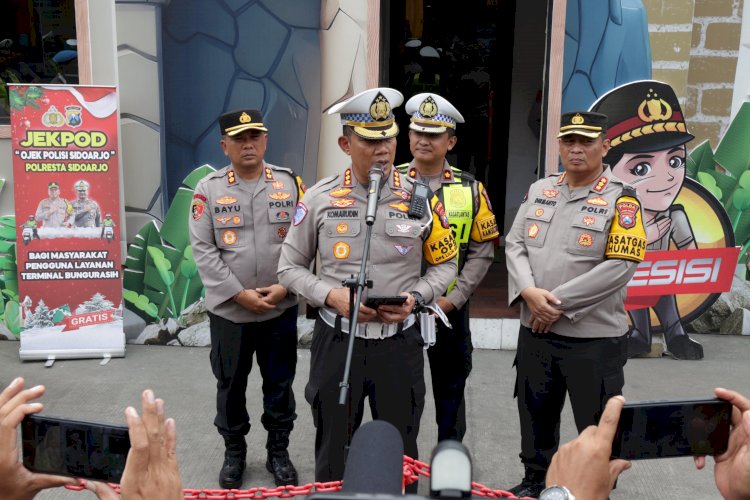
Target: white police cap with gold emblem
(370, 113)
(432, 114)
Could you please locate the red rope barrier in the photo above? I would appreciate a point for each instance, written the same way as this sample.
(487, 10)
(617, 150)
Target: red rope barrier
(412, 470)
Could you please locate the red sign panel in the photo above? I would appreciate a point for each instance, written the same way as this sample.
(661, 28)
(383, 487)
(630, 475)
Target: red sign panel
(67, 203)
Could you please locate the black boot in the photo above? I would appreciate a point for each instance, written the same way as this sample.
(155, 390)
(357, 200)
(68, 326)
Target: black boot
(680, 345)
(278, 463)
(531, 486)
(230, 476)
(639, 343)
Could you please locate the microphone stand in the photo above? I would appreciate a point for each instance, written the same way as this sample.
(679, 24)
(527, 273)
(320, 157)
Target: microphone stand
(357, 285)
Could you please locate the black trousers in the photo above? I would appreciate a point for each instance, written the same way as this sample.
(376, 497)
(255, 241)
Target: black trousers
(450, 366)
(548, 366)
(390, 372)
(274, 343)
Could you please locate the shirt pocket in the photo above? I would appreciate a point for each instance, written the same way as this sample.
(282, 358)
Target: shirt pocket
(538, 219)
(228, 230)
(588, 236)
(341, 228)
(281, 207)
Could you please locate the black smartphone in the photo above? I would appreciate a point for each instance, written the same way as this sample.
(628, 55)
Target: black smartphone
(373, 301)
(418, 206)
(76, 448)
(659, 429)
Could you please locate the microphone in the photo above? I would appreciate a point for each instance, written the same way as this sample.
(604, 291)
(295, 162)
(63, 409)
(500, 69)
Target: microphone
(373, 192)
(450, 470)
(375, 460)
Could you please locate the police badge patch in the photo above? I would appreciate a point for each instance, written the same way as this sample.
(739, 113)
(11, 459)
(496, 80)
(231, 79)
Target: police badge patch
(627, 211)
(403, 249)
(197, 208)
(299, 214)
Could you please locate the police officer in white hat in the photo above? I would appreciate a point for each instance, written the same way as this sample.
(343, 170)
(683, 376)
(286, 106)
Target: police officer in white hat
(432, 136)
(86, 212)
(388, 358)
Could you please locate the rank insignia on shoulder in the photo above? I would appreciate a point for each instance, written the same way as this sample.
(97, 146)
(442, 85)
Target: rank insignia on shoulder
(226, 200)
(601, 184)
(269, 174)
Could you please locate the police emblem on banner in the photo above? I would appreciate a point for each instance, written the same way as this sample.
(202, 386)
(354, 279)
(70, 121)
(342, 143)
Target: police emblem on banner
(73, 116)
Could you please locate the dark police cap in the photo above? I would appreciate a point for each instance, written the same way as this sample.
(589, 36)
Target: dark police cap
(582, 123)
(234, 122)
(643, 116)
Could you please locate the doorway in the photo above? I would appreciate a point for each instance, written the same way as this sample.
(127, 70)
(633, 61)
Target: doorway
(465, 59)
(488, 61)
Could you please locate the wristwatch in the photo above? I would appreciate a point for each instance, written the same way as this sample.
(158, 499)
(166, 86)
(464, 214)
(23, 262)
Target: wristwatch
(418, 302)
(556, 493)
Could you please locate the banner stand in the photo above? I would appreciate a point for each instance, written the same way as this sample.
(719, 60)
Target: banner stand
(65, 152)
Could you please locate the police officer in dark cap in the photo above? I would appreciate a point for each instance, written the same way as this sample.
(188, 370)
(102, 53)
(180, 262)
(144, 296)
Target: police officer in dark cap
(574, 245)
(240, 216)
(647, 137)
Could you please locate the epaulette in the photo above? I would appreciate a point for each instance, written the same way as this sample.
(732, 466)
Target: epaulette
(463, 174)
(328, 180)
(628, 190)
(217, 174)
(283, 169)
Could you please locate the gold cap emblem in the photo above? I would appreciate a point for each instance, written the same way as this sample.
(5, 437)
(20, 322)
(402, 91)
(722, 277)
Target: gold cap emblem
(652, 108)
(245, 118)
(577, 120)
(428, 108)
(380, 109)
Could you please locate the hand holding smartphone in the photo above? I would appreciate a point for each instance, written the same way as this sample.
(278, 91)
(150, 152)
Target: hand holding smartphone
(75, 448)
(374, 301)
(661, 429)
